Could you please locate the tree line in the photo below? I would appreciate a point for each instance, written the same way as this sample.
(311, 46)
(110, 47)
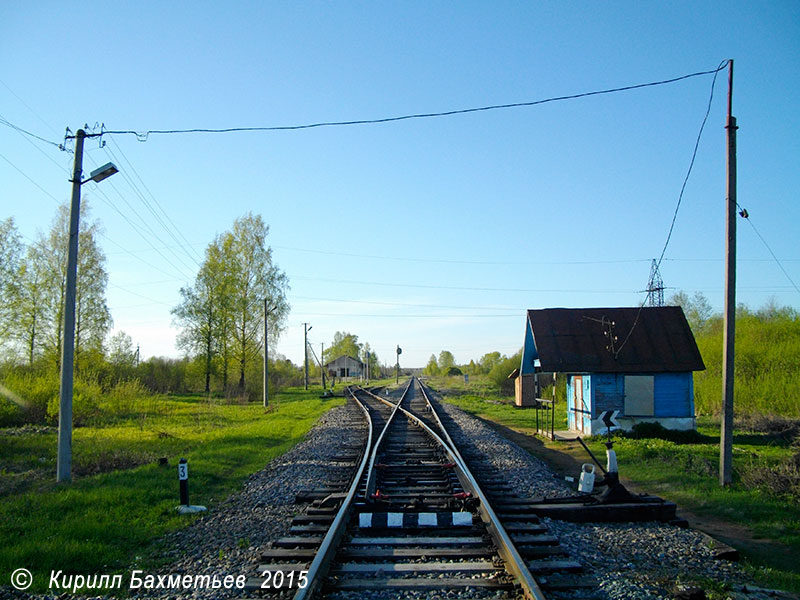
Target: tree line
(220, 316)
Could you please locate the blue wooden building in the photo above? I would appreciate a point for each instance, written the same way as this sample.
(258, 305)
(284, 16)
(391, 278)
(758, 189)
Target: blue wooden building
(635, 361)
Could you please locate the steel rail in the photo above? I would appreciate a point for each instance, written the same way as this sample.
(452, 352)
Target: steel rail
(330, 543)
(319, 566)
(371, 474)
(505, 546)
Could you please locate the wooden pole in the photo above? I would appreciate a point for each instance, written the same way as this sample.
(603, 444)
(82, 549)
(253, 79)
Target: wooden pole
(729, 334)
(266, 357)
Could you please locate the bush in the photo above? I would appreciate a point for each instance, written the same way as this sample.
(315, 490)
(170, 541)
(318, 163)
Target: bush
(121, 400)
(10, 414)
(500, 372)
(34, 392)
(655, 430)
(86, 400)
(782, 479)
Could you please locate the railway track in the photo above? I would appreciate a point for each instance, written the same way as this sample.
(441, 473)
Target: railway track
(416, 516)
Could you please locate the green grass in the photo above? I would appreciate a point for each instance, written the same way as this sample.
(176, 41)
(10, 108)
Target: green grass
(686, 473)
(480, 398)
(110, 515)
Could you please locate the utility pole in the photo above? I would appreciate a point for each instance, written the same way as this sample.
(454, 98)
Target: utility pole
(265, 393)
(64, 460)
(729, 333)
(367, 367)
(306, 329)
(321, 366)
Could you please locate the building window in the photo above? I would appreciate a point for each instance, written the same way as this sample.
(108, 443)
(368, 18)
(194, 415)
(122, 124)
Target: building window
(639, 396)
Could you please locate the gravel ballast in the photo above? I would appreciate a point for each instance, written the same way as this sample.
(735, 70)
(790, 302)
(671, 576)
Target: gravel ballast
(630, 560)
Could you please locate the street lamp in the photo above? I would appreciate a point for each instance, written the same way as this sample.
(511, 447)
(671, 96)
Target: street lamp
(64, 463)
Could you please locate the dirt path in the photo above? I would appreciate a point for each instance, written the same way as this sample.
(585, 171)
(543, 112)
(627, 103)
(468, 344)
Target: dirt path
(567, 460)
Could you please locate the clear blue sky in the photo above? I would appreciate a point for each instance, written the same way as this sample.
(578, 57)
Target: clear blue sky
(432, 234)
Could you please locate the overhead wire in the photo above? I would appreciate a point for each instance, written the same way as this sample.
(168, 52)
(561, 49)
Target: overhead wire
(459, 288)
(156, 236)
(26, 176)
(746, 216)
(144, 135)
(160, 207)
(137, 228)
(722, 65)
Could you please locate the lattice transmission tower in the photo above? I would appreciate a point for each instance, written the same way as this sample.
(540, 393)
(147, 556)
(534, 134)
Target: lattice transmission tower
(655, 286)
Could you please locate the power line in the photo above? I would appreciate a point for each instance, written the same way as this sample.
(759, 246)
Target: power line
(461, 288)
(405, 305)
(423, 316)
(457, 261)
(160, 207)
(722, 65)
(126, 177)
(144, 135)
(26, 105)
(746, 216)
(29, 134)
(21, 172)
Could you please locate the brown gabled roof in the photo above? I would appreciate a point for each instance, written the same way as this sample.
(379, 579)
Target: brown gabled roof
(650, 339)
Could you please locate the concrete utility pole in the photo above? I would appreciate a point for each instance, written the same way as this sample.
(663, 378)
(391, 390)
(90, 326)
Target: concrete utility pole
(64, 460)
(306, 329)
(729, 334)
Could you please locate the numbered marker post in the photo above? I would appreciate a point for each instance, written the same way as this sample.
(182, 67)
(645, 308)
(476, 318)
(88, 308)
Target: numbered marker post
(183, 483)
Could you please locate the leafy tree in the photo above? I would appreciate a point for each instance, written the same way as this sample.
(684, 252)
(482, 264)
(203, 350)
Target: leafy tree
(344, 344)
(203, 315)
(489, 360)
(221, 314)
(374, 363)
(432, 368)
(121, 355)
(697, 308)
(502, 369)
(10, 257)
(472, 368)
(446, 360)
(34, 283)
(253, 278)
(42, 289)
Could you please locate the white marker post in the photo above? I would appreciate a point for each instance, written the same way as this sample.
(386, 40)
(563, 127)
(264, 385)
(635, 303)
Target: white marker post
(183, 483)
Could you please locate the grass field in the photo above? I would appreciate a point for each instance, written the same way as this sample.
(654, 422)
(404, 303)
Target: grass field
(687, 473)
(121, 500)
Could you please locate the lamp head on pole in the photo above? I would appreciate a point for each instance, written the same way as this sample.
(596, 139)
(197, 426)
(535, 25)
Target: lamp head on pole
(100, 173)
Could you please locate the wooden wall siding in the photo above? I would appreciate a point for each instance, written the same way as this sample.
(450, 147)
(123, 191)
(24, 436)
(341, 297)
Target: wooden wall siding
(674, 394)
(529, 353)
(608, 392)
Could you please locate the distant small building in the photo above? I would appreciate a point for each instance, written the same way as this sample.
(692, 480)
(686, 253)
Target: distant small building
(345, 366)
(638, 361)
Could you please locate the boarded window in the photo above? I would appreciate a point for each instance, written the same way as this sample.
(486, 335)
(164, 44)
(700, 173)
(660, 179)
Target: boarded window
(639, 396)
